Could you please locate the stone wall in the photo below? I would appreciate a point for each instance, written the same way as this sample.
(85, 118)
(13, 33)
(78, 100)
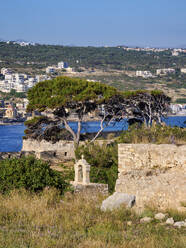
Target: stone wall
(59, 151)
(155, 174)
(54, 152)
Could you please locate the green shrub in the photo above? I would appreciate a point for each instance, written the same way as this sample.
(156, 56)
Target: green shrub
(156, 134)
(29, 173)
(181, 100)
(104, 162)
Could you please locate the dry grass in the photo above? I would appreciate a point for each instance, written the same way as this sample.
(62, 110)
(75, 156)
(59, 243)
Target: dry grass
(183, 204)
(48, 220)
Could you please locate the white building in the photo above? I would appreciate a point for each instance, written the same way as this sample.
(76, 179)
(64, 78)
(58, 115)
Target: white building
(50, 69)
(5, 71)
(20, 87)
(19, 81)
(69, 69)
(5, 86)
(9, 77)
(62, 65)
(31, 82)
(179, 109)
(144, 74)
(165, 71)
(175, 52)
(183, 70)
(19, 78)
(25, 100)
(40, 78)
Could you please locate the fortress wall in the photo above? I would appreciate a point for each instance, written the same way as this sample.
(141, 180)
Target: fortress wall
(156, 174)
(63, 150)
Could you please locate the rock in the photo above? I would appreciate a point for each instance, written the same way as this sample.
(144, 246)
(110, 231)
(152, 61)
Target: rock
(170, 221)
(146, 220)
(179, 224)
(159, 216)
(116, 200)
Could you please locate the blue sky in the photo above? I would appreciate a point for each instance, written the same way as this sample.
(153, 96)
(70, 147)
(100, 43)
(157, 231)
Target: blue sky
(95, 22)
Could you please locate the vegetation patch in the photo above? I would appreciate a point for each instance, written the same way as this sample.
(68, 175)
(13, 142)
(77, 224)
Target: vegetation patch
(157, 134)
(30, 174)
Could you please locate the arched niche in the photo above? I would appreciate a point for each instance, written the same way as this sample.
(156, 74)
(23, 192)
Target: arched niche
(82, 172)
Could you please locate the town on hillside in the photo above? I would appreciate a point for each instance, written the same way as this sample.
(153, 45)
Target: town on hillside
(15, 82)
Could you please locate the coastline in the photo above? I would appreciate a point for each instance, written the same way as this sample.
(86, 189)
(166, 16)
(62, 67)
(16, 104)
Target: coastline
(11, 133)
(177, 115)
(12, 123)
(86, 120)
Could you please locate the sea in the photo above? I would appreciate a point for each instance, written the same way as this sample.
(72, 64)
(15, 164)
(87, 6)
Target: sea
(11, 136)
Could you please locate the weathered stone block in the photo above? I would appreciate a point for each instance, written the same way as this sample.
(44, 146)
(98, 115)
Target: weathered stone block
(116, 200)
(91, 188)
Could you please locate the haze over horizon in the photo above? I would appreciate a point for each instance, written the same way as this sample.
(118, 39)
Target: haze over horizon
(160, 23)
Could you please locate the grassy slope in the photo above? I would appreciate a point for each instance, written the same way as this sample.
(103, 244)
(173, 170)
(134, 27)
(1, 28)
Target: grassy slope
(47, 220)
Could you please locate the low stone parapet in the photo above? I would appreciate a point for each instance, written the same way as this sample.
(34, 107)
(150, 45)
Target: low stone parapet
(92, 188)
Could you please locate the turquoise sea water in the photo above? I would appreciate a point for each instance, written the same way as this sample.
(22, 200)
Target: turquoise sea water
(11, 135)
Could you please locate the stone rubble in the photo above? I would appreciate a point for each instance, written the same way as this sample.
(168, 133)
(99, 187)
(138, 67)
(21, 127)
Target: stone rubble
(146, 220)
(170, 221)
(180, 224)
(159, 216)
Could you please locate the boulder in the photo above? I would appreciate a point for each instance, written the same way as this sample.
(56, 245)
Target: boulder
(159, 216)
(116, 200)
(180, 224)
(170, 221)
(146, 220)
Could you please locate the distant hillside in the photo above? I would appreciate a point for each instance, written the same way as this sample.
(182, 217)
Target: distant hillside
(112, 65)
(14, 55)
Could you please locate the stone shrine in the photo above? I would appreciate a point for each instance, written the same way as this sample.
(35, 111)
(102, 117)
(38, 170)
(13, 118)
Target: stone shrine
(82, 171)
(82, 179)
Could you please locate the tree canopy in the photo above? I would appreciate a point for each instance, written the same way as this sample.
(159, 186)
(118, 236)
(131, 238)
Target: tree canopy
(65, 91)
(64, 96)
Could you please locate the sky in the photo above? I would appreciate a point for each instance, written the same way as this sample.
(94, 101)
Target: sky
(153, 23)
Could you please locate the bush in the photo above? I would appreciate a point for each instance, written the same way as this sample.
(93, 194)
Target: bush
(29, 173)
(181, 100)
(104, 162)
(156, 134)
